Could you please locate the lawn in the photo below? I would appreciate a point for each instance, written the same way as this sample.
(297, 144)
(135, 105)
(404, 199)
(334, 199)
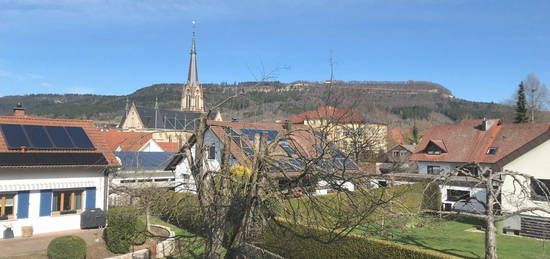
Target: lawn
(194, 244)
(451, 237)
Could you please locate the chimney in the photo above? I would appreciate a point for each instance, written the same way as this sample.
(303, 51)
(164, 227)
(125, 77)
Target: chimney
(18, 110)
(486, 124)
(287, 125)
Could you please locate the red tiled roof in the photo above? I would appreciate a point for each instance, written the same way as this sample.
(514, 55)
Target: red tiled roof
(302, 140)
(93, 133)
(169, 146)
(467, 141)
(397, 136)
(328, 112)
(128, 141)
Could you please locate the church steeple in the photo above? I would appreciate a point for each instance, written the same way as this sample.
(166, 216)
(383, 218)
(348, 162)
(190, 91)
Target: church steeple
(192, 94)
(193, 76)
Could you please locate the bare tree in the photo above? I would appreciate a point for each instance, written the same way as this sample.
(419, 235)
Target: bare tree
(537, 96)
(507, 194)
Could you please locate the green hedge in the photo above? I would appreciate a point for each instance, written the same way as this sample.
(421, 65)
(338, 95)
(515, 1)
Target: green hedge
(296, 241)
(67, 247)
(181, 210)
(431, 199)
(124, 229)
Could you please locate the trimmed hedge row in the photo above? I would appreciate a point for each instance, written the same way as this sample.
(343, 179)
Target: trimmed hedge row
(180, 209)
(124, 229)
(67, 247)
(294, 241)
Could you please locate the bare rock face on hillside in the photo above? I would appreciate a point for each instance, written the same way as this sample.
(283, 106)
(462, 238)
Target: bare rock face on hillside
(395, 103)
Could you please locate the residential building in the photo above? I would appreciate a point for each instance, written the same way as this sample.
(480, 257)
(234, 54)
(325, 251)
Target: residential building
(142, 161)
(131, 141)
(397, 159)
(502, 147)
(353, 132)
(288, 154)
(51, 170)
(139, 170)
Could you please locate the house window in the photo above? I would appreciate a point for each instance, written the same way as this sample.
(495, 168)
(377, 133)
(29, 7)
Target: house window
(433, 149)
(212, 152)
(540, 189)
(491, 151)
(457, 195)
(6, 205)
(396, 153)
(66, 202)
(432, 169)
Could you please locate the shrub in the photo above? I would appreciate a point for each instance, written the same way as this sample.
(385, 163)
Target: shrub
(180, 209)
(124, 228)
(67, 247)
(296, 244)
(431, 199)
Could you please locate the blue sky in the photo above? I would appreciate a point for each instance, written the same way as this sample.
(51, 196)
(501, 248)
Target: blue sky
(479, 49)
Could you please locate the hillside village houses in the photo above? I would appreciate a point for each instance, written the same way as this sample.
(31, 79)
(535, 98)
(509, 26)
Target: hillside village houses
(352, 131)
(288, 154)
(502, 147)
(51, 170)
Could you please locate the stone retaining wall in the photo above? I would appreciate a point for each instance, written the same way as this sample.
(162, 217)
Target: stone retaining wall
(140, 254)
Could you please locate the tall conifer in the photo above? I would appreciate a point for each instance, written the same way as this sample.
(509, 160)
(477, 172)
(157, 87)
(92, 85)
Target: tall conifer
(521, 106)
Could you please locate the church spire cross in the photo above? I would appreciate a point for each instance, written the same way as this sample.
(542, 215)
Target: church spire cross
(192, 94)
(193, 76)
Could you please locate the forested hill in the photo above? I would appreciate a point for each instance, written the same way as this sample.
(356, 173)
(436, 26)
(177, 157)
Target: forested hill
(396, 103)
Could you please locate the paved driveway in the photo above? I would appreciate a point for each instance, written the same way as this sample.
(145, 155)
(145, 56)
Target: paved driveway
(35, 247)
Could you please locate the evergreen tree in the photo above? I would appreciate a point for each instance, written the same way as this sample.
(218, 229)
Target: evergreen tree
(521, 106)
(415, 136)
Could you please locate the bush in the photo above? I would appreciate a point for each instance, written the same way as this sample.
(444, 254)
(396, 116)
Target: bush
(124, 228)
(431, 199)
(181, 210)
(295, 244)
(67, 247)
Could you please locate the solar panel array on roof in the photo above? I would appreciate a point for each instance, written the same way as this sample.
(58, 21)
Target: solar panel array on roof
(271, 134)
(287, 148)
(240, 142)
(144, 160)
(45, 137)
(51, 159)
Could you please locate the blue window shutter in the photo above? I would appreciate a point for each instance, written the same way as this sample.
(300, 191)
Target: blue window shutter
(22, 205)
(45, 203)
(90, 198)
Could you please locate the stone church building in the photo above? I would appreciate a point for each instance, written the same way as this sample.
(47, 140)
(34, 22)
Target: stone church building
(173, 126)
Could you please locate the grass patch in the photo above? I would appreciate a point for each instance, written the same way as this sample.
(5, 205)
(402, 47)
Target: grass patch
(451, 237)
(193, 244)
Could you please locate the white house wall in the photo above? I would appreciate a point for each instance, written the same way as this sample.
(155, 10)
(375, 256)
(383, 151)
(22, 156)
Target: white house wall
(34, 180)
(184, 179)
(472, 206)
(535, 163)
(444, 166)
(151, 146)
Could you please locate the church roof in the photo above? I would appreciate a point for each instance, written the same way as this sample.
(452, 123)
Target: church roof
(168, 119)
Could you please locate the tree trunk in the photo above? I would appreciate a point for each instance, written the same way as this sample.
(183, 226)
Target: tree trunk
(214, 244)
(148, 218)
(490, 229)
(490, 239)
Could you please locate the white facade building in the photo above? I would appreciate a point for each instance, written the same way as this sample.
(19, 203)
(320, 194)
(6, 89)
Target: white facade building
(521, 148)
(36, 195)
(51, 170)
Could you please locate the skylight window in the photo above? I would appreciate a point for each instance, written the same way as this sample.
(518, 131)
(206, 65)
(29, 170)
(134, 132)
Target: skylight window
(491, 151)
